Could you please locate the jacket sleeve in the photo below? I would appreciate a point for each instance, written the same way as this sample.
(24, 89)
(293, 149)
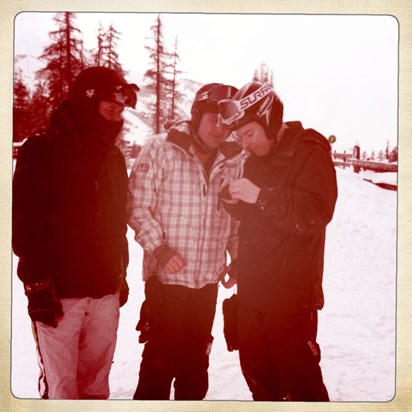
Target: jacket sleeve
(31, 215)
(145, 179)
(308, 206)
(123, 219)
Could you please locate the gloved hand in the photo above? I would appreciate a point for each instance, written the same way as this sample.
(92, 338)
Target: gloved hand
(149, 311)
(43, 304)
(224, 193)
(230, 316)
(123, 291)
(143, 326)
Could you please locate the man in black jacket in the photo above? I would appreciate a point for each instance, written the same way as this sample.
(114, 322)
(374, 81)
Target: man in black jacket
(69, 232)
(284, 202)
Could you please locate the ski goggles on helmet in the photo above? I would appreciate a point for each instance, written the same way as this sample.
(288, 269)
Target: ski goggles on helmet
(231, 110)
(216, 93)
(125, 94)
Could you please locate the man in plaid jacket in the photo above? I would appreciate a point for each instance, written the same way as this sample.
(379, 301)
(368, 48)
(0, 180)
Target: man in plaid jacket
(177, 218)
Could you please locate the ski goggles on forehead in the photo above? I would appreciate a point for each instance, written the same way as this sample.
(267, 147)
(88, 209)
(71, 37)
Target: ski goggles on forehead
(231, 110)
(217, 93)
(125, 94)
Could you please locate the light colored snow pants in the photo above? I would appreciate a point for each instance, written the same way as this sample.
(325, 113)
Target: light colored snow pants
(76, 357)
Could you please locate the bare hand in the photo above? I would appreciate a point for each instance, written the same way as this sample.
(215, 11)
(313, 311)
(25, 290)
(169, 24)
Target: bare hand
(174, 264)
(244, 189)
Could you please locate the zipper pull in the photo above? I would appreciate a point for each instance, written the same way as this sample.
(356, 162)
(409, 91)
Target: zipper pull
(204, 190)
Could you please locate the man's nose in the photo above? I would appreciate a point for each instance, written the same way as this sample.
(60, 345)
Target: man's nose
(221, 128)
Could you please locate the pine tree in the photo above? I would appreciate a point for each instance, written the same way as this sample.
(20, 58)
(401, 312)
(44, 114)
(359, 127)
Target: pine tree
(263, 74)
(393, 155)
(112, 57)
(64, 57)
(21, 109)
(175, 94)
(156, 76)
(255, 75)
(105, 53)
(387, 151)
(40, 106)
(98, 53)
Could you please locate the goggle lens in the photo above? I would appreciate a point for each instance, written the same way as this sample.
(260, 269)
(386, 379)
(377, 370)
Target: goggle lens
(124, 94)
(229, 111)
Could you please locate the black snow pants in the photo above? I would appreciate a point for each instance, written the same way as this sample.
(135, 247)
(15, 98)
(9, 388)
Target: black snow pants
(180, 341)
(279, 356)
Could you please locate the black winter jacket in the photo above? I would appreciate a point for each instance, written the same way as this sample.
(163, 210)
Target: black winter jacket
(282, 236)
(69, 212)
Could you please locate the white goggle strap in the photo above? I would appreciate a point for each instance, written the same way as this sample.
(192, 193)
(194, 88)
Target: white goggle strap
(254, 97)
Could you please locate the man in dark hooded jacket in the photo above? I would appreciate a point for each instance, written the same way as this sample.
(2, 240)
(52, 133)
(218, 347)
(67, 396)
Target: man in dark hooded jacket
(284, 201)
(69, 232)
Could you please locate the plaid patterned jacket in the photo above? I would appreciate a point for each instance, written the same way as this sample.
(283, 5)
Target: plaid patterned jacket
(173, 202)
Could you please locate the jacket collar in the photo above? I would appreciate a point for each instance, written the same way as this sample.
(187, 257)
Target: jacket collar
(291, 139)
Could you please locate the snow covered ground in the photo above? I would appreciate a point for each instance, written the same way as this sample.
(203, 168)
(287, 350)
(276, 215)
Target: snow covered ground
(356, 327)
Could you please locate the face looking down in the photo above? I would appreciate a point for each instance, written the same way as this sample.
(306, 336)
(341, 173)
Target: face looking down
(211, 132)
(253, 138)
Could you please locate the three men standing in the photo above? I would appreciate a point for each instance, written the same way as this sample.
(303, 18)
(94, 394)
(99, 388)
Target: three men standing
(70, 191)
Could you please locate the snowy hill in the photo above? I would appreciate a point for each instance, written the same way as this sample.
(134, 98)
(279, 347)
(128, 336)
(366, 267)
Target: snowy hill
(356, 327)
(136, 130)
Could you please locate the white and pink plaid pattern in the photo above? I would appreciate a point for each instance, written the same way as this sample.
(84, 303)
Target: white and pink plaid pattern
(172, 202)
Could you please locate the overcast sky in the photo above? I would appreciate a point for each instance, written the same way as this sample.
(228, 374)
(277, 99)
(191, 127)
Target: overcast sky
(335, 73)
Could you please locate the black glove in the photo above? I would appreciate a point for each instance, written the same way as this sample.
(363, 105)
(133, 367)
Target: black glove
(43, 304)
(123, 291)
(149, 311)
(224, 193)
(143, 326)
(230, 315)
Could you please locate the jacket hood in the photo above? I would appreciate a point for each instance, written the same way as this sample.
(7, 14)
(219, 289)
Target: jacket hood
(292, 137)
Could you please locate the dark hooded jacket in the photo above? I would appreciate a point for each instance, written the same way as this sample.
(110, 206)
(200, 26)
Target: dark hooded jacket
(282, 236)
(69, 206)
